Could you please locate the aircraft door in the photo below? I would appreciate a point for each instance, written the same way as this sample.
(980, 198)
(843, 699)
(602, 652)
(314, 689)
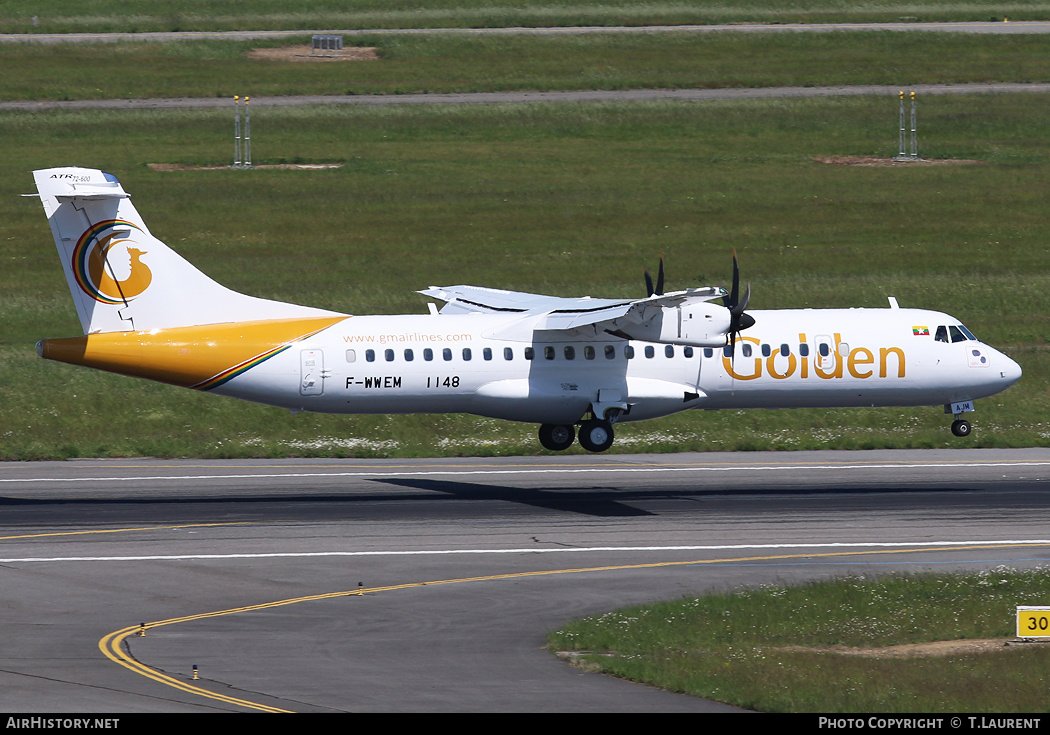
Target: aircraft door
(311, 364)
(825, 351)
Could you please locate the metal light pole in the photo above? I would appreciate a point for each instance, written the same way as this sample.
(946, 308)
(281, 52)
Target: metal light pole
(248, 133)
(901, 152)
(237, 131)
(914, 134)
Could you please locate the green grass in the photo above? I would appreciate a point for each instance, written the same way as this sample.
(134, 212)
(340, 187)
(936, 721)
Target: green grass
(16, 16)
(563, 199)
(450, 63)
(760, 648)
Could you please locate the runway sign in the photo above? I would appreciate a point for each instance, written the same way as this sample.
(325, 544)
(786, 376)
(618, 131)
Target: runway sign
(1033, 622)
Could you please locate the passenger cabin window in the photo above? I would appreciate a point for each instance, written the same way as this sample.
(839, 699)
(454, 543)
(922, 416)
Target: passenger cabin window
(508, 353)
(446, 354)
(610, 352)
(389, 355)
(669, 351)
(548, 352)
(649, 351)
(570, 352)
(687, 351)
(466, 353)
(487, 353)
(351, 356)
(428, 354)
(628, 352)
(409, 355)
(529, 353)
(588, 353)
(370, 355)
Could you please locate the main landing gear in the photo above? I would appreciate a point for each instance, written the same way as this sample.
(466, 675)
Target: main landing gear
(596, 435)
(556, 437)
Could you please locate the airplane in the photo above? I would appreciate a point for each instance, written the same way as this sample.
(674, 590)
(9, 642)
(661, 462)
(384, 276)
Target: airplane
(558, 362)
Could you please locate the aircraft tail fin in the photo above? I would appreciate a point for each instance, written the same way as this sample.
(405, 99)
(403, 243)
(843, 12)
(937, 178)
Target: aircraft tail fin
(121, 277)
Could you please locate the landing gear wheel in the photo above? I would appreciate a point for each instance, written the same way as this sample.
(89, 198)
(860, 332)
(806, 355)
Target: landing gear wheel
(556, 437)
(961, 427)
(596, 435)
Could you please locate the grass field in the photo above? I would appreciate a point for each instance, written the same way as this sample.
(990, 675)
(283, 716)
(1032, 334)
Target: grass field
(561, 199)
(17, 16)
(564, 199)
(797, 649)
(457, 63)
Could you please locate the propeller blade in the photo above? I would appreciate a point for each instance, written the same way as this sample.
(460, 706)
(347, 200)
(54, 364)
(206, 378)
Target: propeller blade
(658, 289)
(738, 320)
(735, 293)
(738, 309)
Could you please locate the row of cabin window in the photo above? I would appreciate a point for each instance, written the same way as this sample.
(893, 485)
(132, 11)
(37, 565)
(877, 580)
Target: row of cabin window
(549, 353)
(746, 349)
(589, 353)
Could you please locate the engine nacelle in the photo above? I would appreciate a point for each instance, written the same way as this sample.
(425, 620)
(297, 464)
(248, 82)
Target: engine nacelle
(697, 324)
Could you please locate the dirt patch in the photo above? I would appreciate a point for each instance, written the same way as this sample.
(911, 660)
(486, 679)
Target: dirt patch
(303, 53)
(915, 650)
(907, 650)
(185, 167)
(874, 161)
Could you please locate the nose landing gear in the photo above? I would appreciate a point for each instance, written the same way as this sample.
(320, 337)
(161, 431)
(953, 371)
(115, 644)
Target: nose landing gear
(960, 427)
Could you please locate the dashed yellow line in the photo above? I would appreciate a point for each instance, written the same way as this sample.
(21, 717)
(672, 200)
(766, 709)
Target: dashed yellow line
(112, 645)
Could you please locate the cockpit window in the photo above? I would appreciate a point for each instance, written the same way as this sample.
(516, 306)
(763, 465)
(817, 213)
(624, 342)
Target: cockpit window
(953, 333)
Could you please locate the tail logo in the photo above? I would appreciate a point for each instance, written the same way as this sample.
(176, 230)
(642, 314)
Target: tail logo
(107, 265)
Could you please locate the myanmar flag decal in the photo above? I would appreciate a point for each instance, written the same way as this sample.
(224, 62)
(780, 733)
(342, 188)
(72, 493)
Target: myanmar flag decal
(920, 331)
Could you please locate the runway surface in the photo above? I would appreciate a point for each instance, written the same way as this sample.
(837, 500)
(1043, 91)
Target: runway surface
(250, 570)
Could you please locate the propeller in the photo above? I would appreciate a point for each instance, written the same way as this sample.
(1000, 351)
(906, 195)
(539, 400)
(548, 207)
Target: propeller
(658, 290)
(738, 320)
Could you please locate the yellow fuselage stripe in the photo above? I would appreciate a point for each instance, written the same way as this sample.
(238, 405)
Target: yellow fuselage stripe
(198, 356)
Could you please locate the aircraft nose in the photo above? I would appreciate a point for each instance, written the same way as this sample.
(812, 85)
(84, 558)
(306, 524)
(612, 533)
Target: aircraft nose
(1009, 370)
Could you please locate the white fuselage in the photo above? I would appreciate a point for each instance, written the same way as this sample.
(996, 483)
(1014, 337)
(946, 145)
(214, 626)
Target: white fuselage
(479, 364)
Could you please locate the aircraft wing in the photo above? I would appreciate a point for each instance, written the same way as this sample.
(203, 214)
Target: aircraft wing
(558, 313)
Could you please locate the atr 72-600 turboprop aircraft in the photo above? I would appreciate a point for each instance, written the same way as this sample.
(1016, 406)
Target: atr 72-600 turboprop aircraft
(557, 362)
